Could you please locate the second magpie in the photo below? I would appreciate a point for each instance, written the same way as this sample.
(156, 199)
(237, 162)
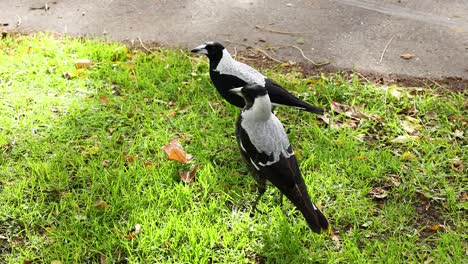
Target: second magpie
(268, 154)
(227, 73)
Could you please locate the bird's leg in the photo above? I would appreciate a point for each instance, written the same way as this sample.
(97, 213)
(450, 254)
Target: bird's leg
(261, 187)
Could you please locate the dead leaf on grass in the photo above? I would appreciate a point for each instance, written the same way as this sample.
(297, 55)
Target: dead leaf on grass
(464, 197)
(128, 158)
(83, 63)
(101, 205)
(408, 156)
(176, 152)
(407, 56)
(411, 125)
(424, 200)
(188, 176)
(336, 238)
(456, 165)
(378, 193)
(437, 227)
(55, 262)
(106, 163)
(133, 233)
(404, 139)
(103, 259)
(103, 99)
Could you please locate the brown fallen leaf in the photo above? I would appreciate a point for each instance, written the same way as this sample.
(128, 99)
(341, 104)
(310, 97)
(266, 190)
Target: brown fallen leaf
(437, 227)
(129, 158)
(404, 139)
(188, 176)
(103, 99)
(133, 233)
(102, 205)
(407, 56)
(408, 156)
(378, 193)
(106, 163)
(342, 109)
(456, 165)
(175, 151)
(464, 197)
(55, 262)
(335, 237)
(27, 261)
(83, 63)
(103, 259)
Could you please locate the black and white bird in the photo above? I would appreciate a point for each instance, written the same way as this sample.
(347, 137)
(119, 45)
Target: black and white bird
(268, 154)
(227, 73)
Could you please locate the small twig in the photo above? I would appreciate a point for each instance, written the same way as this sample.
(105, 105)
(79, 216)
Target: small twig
(268, 55)
(385, 49)
(305, 57)
(257, 49)
(143, 46)
(278, 31)
(18, 21)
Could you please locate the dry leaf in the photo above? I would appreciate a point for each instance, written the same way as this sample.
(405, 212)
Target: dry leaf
(408, 156)
(456, 165)
(134, 233)
(105, 163)
(407, 56)
(404, 139)
(83, 63)
(410, 126)
(335, 237)
(103, 259)
(379, 193)
(66, 75)
(102, 205)
(175, 151)
(437, 227)
(55, 262)
(149, 165)
(342, 109)
(464, 197)
(129, 158)
(103, 99)
(27, 261)
(429, 260)
(188, 176)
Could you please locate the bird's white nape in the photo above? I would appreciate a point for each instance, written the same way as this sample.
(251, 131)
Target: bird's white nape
(260, 110)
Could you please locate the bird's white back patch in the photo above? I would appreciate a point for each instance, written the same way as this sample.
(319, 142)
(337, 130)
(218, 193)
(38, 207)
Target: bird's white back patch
(227, 65)
(267, 136)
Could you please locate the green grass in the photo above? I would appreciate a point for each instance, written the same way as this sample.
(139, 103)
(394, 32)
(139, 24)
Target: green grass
(81, 164)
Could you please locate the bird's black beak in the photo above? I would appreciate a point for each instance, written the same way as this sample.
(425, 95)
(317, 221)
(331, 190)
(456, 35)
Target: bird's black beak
(200, 49)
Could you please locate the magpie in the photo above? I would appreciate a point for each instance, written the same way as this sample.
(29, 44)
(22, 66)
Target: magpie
(266, 150)
(227, 73)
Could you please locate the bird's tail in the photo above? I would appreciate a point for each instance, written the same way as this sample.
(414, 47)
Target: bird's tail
(299, 196)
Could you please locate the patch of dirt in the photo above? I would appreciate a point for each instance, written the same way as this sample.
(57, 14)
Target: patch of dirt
(429, 216)
(453, 84)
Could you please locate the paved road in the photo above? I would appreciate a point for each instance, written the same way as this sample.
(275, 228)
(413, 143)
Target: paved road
(351, 33)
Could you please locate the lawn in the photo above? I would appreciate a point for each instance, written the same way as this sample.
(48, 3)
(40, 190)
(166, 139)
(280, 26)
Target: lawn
(83, 178)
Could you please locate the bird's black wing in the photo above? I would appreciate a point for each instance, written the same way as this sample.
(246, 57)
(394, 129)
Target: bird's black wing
(225, 82)
(284, 174)
(279, 95)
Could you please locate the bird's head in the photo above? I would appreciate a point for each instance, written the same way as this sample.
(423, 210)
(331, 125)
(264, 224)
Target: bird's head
(256, 99)
(211, 49)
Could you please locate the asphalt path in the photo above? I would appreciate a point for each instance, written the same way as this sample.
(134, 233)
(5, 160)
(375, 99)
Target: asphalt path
(367, 36)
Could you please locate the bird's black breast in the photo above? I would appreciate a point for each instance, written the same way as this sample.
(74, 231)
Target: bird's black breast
(225, 82)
